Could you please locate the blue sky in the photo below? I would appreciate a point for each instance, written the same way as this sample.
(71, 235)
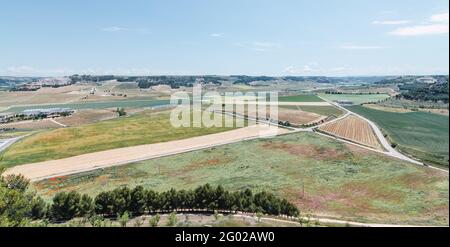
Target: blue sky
(254, 37)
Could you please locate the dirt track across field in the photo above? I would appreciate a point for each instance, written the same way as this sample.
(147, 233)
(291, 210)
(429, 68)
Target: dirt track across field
(120, 156)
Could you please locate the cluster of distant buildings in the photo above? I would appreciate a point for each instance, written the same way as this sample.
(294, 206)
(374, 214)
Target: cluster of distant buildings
(36, 114)
(44, 82)
(427, 80)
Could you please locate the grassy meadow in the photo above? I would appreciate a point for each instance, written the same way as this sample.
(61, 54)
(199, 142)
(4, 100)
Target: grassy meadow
(338, 180)
(357, 99)
(420, 134)
(321, 110)
(130, 103)
(143, 128)
(300, 98)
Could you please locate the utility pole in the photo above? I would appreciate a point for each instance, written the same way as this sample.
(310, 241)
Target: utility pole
(303, 190)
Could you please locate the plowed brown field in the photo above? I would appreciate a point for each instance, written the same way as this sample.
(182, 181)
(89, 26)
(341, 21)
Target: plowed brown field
(354, 129)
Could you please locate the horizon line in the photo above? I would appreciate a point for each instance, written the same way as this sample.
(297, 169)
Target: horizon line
(230, 75)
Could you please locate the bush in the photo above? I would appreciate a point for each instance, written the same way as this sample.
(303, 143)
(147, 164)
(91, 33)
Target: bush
(103, 203)
(172, 219)
(154, 221)
(38, 208)
(86, 206)
(138, 201)
(121, 112)
(65, 206)
(97, 221)
(123, 220)
(15, 182)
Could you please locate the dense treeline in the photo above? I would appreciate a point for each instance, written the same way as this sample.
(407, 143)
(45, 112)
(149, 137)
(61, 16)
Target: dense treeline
(425, 92)
(177, 81)
(149, 81)
(18, 207)
(91, 78)
(138, 201)
(317, 79)
(243, 79)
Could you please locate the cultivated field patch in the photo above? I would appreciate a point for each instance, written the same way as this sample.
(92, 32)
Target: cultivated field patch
(87, 117)
(293, 116)
(322, 110)
(320, 175)
(354, 129)
(143, 128)
(127, 155)
(300, 98)
(138, 103)
(420, 134)
(32, 125)
(356, 99)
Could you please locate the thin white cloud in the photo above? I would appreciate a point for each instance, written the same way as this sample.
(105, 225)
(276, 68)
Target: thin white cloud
(289, 69)
(442, 17)
(439, 24)
(361, 47)
(307, 69)
(260, 46)
(421, 30)
(26, 70)
(116, 29)
(391, 22)
(216, 35)
(312, 67)
(112, 29)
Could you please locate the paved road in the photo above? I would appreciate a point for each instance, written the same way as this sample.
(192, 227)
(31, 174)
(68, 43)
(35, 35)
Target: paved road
(5, 143)
(390, 151)
(121, 156)
(385, 143)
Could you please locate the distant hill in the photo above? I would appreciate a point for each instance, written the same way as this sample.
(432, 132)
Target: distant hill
(421, 88)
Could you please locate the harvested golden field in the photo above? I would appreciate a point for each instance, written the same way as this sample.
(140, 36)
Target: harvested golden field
(9, 99)
(293, 116)
(32, 125)
(354, 129)
(87, 116)
(297, 117)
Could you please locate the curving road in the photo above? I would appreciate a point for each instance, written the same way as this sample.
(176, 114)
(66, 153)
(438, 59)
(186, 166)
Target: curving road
(5, 143)
(383, 141)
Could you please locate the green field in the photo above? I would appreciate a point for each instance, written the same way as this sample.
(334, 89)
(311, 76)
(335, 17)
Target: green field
(300, 98)
(420, 134)
(95, 105)
(12, 134)
(321, 110)
(143, 128)
(339, 181)
(357, 99)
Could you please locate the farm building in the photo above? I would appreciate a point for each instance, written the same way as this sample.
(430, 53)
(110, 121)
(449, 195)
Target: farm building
(4, 118)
